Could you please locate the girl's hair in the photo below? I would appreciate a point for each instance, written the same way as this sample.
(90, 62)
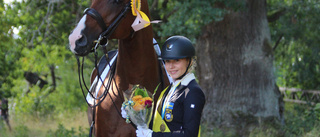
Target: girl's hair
(192, 64)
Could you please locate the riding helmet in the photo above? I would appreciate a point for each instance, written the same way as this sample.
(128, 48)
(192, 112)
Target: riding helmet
(177, 47)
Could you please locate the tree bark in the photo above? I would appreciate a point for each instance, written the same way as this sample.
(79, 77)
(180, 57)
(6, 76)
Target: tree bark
(235, 70)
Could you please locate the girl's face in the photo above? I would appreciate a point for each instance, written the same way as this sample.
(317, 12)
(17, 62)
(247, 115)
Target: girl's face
(176, 67)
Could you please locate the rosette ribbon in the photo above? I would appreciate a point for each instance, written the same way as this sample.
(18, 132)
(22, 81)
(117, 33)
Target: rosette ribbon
(142, 19)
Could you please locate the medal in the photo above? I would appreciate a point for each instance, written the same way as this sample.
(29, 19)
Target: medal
(168, 116)
(162, 127)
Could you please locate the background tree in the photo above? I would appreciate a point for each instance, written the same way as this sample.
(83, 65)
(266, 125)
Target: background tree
(236, 53)
(235, 58)
(8, 50)
(295, 31)
(41, 47)
(235, 68)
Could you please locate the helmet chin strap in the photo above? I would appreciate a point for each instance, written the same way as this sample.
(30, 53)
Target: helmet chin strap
(186, 70)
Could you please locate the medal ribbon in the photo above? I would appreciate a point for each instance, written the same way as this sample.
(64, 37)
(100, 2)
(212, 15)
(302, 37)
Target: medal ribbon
(166, 102)
(142, 19)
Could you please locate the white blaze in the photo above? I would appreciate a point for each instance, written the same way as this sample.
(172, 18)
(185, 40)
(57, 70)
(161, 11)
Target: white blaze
(76, 34)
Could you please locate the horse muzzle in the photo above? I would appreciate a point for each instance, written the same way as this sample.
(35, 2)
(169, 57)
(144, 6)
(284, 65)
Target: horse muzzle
(80, 44)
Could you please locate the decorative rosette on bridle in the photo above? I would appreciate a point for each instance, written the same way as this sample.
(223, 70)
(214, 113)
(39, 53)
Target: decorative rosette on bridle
(142, 19)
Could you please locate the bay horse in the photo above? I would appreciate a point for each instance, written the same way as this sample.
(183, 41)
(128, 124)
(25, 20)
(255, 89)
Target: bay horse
(137, 62)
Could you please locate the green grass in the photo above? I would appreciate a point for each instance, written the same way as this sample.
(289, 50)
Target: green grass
(74, 124)
(300, 121)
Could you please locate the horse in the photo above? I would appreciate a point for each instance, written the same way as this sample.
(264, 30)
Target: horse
(137, 61)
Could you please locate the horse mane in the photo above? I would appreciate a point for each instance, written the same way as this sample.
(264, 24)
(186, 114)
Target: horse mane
(138, 54)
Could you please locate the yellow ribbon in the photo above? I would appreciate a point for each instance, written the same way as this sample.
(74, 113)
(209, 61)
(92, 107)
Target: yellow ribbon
(135, 6)
(142, 19)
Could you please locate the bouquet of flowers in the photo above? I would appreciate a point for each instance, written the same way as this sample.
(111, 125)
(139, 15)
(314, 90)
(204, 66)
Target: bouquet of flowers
(139, 106)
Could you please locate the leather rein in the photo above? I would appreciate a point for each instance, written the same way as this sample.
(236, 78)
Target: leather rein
(107, 32)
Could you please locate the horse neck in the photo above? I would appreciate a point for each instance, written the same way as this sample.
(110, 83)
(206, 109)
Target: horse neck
(137, 61)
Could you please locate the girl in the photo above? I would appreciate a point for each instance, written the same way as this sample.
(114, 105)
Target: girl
(180, 105)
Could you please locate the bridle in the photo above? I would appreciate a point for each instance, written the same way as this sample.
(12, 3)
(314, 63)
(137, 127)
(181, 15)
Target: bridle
(107, 30)
(106, 33)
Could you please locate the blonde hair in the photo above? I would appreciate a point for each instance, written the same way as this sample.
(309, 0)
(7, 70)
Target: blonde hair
(192, 65)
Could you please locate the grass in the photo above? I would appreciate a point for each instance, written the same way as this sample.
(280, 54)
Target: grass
(300, 121)
(31, 126)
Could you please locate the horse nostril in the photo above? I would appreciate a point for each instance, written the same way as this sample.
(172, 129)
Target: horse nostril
(83, 41)
(82, 46)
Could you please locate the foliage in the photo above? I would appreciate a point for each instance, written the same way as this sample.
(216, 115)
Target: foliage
(300, 120)
(295, 35)
(21, 131)
(40, 46)
(297, 54)
(9, 50)
(63, 132)
(187, 18)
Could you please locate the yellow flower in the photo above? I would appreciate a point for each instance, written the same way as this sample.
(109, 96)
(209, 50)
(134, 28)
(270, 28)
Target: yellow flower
(138, 107)
(136, 98)
(140, 101)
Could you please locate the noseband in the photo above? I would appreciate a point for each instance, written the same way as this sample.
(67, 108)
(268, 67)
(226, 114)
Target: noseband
(107, 30)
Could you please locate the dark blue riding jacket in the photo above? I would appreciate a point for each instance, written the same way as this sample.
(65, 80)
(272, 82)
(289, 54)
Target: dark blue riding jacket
(188, 102)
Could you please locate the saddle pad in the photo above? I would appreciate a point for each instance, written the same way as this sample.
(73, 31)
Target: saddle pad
(104, 69)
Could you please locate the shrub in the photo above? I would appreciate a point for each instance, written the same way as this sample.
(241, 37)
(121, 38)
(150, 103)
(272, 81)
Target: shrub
(63, 132)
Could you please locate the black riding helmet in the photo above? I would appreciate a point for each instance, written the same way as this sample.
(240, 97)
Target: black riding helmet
(177, 47)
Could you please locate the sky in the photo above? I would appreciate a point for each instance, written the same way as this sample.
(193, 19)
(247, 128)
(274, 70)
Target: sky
(7, 1)
(15, 30)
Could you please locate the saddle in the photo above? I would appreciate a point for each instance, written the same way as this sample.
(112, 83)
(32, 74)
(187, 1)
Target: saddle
(103, 62)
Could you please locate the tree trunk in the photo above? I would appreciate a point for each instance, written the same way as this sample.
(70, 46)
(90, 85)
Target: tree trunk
(235, 70)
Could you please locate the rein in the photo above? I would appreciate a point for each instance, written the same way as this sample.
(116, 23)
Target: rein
(107, 32)
(106, 88)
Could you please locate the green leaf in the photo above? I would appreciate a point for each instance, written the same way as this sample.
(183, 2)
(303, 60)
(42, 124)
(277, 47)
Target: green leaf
(140, 91)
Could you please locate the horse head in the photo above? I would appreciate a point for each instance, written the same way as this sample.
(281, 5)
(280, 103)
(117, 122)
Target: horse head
(101, 19)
